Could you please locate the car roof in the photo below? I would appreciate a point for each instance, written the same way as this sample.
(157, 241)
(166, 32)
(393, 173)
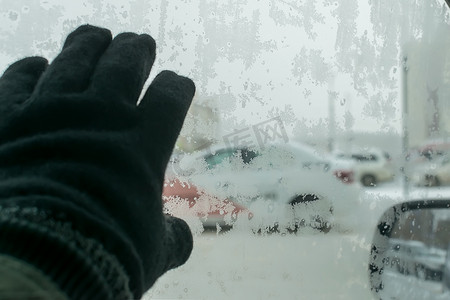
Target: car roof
(363, 151)
(291, 146)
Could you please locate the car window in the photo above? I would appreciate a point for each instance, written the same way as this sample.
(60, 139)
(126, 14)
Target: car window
(248, 155)
(364, 157)
(243, 155)
(217, 158)
(268, 168)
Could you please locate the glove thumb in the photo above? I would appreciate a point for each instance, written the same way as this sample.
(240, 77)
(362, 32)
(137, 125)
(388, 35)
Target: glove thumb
(178, 242)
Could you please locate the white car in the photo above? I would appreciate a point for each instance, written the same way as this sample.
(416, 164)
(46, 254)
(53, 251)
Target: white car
(372, 166)
(287, 185)
(432, 173)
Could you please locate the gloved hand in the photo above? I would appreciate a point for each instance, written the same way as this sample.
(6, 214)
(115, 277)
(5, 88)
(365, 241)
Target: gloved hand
(82, 165)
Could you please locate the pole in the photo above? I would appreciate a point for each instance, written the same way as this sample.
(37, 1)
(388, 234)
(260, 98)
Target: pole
(331, 116)
(405, 134)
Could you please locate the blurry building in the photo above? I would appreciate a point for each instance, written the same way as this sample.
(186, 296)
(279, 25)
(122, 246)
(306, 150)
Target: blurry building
(201, 126)
(416, 225)
(426, 76)
(430, 226)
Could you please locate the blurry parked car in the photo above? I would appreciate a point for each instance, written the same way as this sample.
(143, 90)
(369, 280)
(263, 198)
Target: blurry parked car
(446, 272)
(286, 185)
(433, 148)
(185, 200)
(372, 165)
(435, 172)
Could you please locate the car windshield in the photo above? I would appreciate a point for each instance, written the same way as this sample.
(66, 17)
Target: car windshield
(265, 170)
(364, 157)
(219, 157)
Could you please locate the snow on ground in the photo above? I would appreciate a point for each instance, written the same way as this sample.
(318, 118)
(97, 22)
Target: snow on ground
(239, 265)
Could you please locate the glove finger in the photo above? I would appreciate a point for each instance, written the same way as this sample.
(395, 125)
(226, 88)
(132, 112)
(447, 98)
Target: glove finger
(164, 107)
(19, 80)
(72, 68)
(178, 242)
(124, 67)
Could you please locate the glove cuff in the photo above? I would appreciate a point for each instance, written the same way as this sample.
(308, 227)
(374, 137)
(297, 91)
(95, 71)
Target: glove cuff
(80, 267)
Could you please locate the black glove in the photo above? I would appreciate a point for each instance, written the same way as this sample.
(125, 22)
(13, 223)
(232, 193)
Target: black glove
(82, 165)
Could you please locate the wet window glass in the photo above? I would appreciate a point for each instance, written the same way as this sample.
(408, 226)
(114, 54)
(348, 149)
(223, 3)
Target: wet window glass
(310, 119)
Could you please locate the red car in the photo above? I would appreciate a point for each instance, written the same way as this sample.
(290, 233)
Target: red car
(186, 201)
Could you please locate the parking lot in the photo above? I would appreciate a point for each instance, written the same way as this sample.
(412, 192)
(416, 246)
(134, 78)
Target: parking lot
(309, 265)
(244, 266)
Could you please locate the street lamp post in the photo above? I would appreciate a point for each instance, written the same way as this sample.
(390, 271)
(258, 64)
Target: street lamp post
(405, 134)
